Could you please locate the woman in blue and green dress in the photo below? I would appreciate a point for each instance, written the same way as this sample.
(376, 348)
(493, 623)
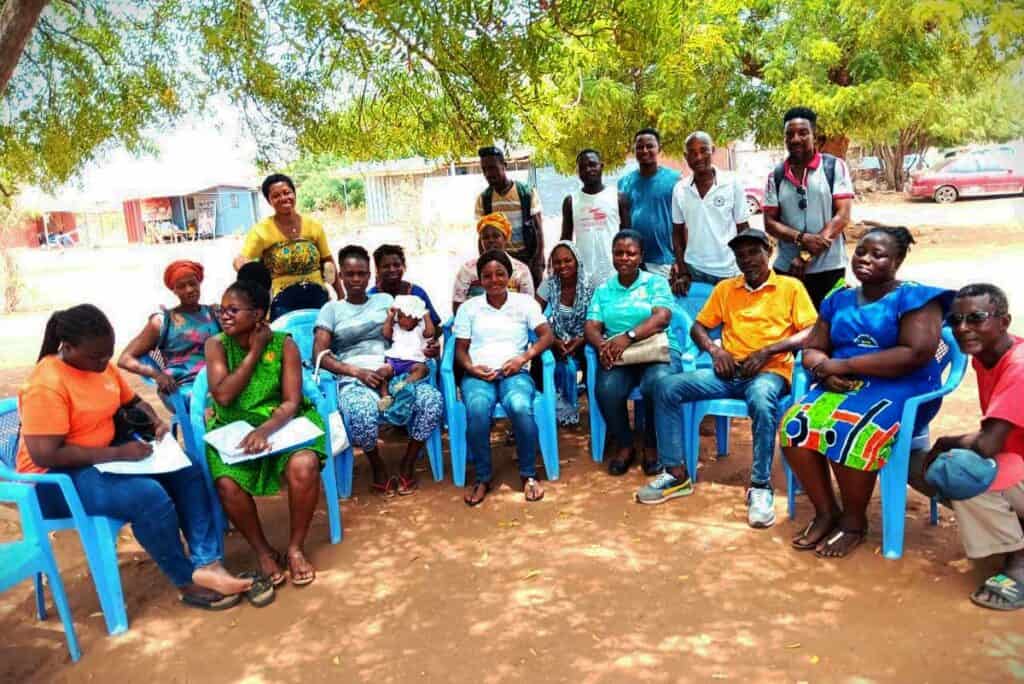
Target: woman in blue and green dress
(872, 348)
(178, 334)
(255, 375)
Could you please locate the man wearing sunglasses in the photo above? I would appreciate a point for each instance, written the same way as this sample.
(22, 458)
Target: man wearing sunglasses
(806, 207)
(992, 459)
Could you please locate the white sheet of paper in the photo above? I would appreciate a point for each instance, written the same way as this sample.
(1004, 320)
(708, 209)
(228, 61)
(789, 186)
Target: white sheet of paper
(225, 439)
(167, 457)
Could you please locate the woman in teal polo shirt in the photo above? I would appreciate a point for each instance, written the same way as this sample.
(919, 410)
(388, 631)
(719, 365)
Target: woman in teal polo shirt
(626, 309)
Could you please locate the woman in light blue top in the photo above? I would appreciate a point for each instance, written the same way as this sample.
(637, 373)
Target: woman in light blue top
(352, 330)
(630, 307)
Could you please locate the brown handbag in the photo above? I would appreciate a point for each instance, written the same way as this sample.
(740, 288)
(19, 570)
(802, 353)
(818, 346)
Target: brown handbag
(653, 349)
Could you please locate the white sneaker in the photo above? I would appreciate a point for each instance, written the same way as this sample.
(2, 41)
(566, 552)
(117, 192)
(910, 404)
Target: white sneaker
(760, 507)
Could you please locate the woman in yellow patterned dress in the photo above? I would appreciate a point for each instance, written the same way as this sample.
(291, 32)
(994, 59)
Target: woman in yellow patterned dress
(294, 249)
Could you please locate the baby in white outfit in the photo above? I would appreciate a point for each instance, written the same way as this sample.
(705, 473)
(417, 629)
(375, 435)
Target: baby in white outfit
(405, 356)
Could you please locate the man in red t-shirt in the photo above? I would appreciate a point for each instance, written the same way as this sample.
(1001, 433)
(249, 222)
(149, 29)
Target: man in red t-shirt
(990, 523)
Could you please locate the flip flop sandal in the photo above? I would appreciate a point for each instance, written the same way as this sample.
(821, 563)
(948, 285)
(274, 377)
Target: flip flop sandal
(385, 488)
(302, 582)
(1004, 587)
(407, 487)
(837, 536)
(261, 593)
(808, 546)
(222, 603)
(487, 490)
(531, 484)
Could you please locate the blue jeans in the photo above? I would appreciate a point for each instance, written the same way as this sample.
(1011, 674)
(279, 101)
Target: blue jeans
(157, 507)
(762, 394)
(516, 396)
(613, 387)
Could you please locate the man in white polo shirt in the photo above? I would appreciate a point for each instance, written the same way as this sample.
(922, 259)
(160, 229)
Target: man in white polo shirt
(708, 210)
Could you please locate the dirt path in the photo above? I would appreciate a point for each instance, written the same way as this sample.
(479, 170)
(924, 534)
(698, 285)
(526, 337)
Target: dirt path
(585, 586)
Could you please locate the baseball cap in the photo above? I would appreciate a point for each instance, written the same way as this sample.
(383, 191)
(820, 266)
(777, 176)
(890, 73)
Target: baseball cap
(961, 474)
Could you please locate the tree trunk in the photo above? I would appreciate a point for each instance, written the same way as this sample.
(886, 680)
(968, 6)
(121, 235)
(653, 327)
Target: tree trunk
(837, 146)
(17, 19)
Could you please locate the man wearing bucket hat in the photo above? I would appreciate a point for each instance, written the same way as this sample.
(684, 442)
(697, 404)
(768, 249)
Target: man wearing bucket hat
(982, 473)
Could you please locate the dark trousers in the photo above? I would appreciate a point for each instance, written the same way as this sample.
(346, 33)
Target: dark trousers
(298, 296)
(819, 284)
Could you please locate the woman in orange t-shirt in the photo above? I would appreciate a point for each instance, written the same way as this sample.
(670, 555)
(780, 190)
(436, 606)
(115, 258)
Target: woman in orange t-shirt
(67, 409)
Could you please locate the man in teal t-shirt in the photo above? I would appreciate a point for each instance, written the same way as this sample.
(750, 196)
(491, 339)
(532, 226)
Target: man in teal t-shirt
(649, 189)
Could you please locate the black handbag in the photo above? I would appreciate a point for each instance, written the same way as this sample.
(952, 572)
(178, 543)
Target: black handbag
(131, 422)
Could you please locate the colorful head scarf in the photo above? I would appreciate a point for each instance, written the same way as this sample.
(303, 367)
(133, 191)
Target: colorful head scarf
(183, 267)
(565, 324)
(495, 220)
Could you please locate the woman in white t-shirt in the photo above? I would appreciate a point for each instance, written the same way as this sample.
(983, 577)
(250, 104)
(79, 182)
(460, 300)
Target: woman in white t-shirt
(492, 347)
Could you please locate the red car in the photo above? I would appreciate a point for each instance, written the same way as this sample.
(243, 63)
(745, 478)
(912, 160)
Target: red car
(755, 199)
(972, 175)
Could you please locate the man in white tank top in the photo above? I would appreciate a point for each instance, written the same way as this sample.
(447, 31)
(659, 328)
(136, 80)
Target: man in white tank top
(595, 213)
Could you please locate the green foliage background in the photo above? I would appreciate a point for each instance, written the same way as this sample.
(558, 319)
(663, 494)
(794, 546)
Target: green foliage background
(377, 79)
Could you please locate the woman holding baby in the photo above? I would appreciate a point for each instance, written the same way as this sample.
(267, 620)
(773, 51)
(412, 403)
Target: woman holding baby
(357, 334)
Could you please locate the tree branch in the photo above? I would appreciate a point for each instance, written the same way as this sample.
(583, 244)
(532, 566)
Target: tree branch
(17, 20)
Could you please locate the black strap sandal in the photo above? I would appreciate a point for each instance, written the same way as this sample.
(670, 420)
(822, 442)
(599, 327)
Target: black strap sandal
(487, 490)
(261, 593)
(211, 601)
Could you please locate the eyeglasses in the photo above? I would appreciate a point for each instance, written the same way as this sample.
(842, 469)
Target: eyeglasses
(802, 191)
(232, 311)
(973, 318)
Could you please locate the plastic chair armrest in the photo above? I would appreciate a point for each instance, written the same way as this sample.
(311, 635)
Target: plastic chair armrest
(67, 489)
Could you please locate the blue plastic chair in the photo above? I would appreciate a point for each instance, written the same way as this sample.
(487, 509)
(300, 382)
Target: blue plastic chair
(680, 327)
(179, 400)
(894, 475)
(200, 397)
(723, 410)
(566, 373)
(543, 413)
(97, 533)
(33, 557)
(300, 325)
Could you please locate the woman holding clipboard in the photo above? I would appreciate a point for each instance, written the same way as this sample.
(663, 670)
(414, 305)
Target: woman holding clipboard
(255, 375)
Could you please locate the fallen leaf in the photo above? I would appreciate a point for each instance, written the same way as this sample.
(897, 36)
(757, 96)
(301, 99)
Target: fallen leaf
(530, 575)
(795, 644)
(683, 578)
(815, 660)
(719, 675)
(336, 660)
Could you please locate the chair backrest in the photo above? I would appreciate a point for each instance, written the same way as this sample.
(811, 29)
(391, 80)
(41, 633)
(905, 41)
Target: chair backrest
(155, 359)
(299, 324)
(10, 426)
(24, 496)
(694, 300)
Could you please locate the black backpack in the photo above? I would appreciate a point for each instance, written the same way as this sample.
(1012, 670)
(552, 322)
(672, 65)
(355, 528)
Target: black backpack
(828, 163)
(525, 204)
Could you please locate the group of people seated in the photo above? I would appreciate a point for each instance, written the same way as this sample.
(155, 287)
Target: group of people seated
(866, 350)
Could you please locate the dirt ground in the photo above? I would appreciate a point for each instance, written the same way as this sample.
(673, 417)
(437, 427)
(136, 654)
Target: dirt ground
(585, 586)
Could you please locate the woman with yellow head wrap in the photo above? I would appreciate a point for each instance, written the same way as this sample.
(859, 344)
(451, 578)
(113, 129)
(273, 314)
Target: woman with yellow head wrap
(493, 232)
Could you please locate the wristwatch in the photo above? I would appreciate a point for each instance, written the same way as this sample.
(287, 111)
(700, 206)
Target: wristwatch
(631, 334)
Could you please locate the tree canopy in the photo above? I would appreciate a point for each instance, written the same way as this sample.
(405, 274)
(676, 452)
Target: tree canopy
(375, 79)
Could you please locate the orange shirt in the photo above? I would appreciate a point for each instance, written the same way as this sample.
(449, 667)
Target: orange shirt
(58, 399)
(752, 320)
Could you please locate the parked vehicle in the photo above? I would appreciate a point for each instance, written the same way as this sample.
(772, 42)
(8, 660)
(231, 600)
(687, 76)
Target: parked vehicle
(755, 199)
(971, 175)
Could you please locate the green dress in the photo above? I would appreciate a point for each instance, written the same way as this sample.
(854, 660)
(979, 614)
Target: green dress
(255, 404)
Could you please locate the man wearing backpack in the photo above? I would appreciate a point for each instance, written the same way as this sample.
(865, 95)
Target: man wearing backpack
(806, 207)
(520, 204)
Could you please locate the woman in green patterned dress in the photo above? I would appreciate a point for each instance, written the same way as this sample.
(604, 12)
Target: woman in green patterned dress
(255, 375)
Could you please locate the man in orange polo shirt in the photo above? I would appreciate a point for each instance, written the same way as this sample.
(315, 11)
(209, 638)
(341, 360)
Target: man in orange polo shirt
(764, 317)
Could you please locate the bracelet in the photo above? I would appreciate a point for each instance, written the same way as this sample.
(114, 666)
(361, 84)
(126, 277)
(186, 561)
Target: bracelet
(800, 237)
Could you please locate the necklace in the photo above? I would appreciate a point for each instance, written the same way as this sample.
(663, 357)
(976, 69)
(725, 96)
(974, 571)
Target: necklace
(291, 230)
